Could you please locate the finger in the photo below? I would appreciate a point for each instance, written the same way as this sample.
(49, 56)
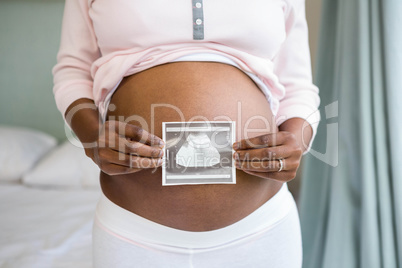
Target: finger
(260, 166)
(114, 169)
(143, 162)
(121, 144)
(139, 134)
(266, 140)
(263, 154)
(140, 149)
(127, 160)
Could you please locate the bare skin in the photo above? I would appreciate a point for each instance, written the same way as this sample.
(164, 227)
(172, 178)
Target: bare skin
(199, 91)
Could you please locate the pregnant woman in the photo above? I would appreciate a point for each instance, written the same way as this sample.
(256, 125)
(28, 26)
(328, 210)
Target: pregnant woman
(124, 67)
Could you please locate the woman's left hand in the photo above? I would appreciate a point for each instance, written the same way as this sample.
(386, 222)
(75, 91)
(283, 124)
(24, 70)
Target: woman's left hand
(262, 156)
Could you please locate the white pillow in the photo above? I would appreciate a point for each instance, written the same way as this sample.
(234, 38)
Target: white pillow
(20, 150)
(66, 166)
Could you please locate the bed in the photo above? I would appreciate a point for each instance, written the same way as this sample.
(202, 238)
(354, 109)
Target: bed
(45, 228)
(48, 195)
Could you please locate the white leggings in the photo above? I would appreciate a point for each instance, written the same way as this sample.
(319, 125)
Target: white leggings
(268, 237)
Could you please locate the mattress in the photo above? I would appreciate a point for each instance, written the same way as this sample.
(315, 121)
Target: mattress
(42, 227)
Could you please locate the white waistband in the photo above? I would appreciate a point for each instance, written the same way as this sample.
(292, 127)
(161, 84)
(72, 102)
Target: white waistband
(130, 226)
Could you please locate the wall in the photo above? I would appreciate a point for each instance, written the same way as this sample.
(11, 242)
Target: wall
(28, 46)
(313, 14)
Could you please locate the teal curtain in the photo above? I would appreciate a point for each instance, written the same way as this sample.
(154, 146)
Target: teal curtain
(351, 193)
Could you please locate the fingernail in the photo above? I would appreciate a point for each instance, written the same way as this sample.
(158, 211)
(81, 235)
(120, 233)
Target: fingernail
(160, 153)
(160, 162)
(235, 145)
(161, 143)
(236, 156)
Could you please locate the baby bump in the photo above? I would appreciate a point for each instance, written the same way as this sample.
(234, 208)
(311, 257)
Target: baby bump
(190, 91)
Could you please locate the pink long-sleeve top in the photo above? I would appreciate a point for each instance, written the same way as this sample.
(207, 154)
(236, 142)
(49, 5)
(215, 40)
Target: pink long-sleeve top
(103, 41)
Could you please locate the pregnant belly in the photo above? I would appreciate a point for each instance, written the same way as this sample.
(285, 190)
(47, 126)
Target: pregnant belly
(190, 91)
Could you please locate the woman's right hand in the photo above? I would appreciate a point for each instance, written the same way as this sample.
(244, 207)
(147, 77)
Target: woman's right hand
(123, 148)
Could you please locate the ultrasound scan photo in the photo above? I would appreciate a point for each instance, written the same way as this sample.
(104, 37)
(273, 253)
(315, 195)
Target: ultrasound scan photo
(198, 153)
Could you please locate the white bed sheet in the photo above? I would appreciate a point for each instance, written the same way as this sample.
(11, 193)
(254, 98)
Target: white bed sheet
(46, 227)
